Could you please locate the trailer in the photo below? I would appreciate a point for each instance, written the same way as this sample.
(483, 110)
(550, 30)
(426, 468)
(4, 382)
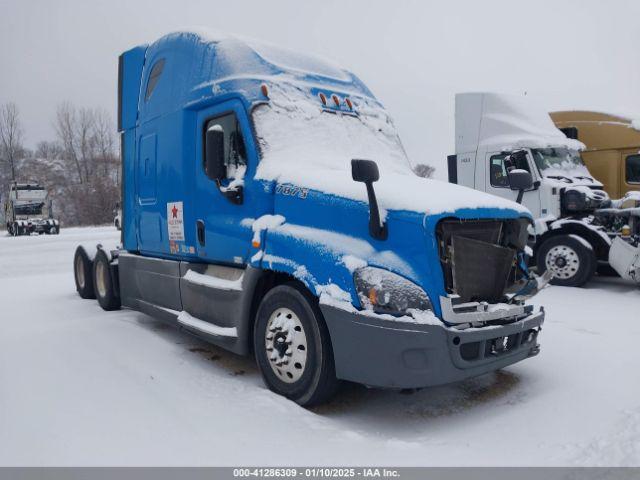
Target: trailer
(269, 208)
(28, 209)
(612, 147)
(579, 230)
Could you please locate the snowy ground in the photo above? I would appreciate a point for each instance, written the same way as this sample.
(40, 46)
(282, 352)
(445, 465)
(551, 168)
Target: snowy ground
(80, 386)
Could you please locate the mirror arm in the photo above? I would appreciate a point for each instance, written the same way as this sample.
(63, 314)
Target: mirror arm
(235, 195)
(377, 229)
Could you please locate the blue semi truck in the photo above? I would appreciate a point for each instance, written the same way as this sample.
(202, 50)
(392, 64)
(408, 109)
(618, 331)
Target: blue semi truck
(269, 208)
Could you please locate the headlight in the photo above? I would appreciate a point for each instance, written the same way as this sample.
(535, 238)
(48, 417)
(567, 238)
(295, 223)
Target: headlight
(386, 292)
(575, 201)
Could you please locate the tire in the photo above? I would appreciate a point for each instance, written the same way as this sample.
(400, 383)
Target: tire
(288, 318)
(103, 283)
(83, 274)
(572, 262)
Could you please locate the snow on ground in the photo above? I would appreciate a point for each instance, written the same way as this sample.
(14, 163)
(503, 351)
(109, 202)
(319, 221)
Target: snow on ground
(80, 386)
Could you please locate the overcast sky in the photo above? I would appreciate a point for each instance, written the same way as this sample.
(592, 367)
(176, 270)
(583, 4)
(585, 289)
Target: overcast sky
(413, 55)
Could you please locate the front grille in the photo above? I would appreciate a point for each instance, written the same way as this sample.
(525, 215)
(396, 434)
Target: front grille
(478, 257)
(480, 270)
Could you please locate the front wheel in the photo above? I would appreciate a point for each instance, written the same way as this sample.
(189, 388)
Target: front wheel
(292, 346)
(570, 258)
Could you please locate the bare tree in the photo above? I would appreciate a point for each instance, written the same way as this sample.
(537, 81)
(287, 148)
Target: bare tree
(104, 142)
(87, 153)
(11, 136)
(65, 126)
(423, 170)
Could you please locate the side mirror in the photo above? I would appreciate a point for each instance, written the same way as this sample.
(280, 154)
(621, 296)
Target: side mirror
(214, 153)
(366, 171)
(520, 180)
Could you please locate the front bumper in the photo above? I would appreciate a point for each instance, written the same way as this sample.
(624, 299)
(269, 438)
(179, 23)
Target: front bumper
(384, 353)
(37, 226)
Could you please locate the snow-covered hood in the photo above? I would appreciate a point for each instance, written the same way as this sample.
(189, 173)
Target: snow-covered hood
(406, 193)
(562, 180)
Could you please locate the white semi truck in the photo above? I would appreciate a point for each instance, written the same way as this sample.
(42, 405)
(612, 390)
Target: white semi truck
(579, 230)
(28, 209)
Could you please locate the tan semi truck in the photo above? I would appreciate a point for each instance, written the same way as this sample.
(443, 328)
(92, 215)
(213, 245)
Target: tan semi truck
(613, 147)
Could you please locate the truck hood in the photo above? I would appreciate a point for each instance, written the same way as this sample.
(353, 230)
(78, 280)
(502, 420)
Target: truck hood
(405, 193)
(322, 236)
(562, 180)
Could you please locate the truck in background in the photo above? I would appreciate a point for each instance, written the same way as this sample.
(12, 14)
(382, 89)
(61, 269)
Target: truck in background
(578, 228)
(28, 209)
(612, 147)
(269, 208)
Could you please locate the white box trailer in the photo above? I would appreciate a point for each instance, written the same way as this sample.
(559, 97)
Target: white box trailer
(576, 221)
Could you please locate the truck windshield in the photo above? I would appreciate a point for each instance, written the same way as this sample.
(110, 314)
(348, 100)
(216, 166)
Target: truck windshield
(560, 163)
(299, 139)
(29, 208)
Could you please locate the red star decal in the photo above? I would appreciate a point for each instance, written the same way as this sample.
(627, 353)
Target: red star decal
(174, 212)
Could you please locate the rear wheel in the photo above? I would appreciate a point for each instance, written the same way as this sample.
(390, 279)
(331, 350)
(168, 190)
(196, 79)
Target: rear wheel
(572, 262)
(83, 273)
(106, 294)
(292, 346)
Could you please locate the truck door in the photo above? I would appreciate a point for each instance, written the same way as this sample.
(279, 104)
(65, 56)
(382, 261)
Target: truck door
(221, 205)
(497, 181)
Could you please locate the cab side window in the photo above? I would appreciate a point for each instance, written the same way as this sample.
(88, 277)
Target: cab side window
(154, 76)
(498, 172)
(499, 168)
(235, 154)
(632, 168)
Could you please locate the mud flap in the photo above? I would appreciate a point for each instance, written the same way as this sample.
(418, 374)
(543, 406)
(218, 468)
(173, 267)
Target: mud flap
(624, 258)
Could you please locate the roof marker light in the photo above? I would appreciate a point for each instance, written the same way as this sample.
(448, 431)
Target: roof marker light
(323, 98)
(264, 90)
(336, 100)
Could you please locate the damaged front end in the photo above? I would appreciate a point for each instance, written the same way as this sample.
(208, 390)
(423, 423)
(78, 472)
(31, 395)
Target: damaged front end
(485, 271)
(622, 220)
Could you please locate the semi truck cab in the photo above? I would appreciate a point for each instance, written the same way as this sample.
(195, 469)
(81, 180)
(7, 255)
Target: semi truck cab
(579, 230)
(28, 209)
(269, 208)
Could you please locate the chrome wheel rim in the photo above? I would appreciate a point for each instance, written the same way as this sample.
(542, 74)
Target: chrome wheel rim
(80, 272)
(101, 281)
(286, 345)
(563, 262)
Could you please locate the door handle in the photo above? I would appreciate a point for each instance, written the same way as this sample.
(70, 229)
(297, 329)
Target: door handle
(200, 232)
